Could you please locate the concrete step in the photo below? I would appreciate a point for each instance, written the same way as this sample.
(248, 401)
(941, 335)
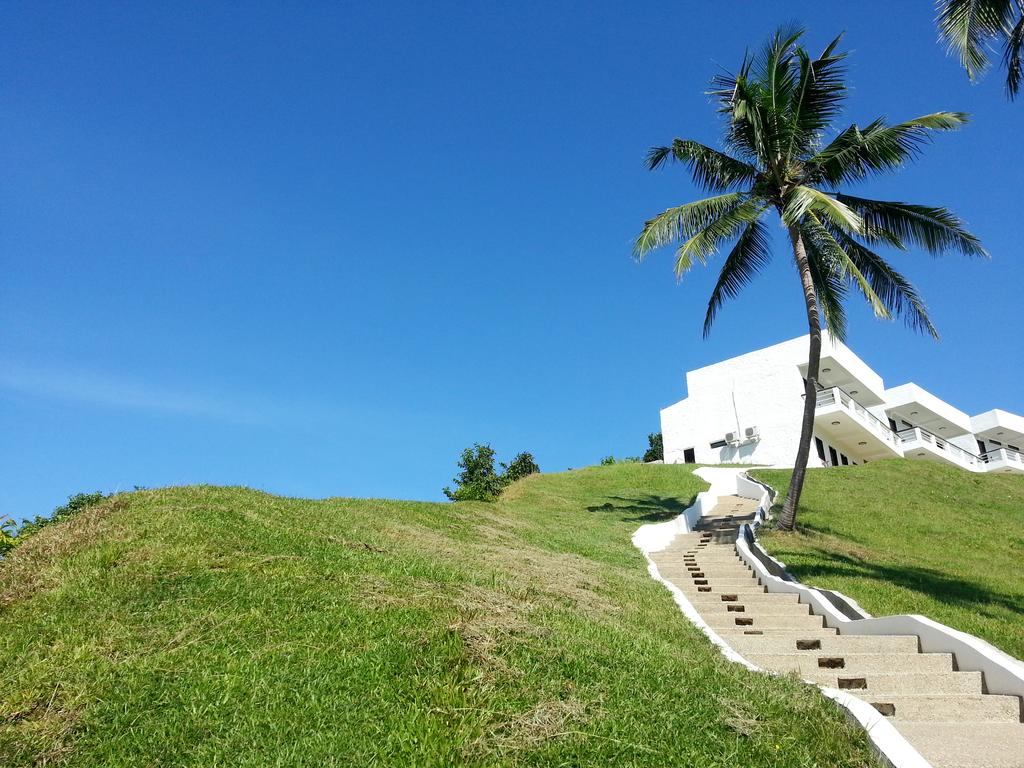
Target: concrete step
(967, 745)
(721, 581)
(744, 621)
(719, 554)
(895, 683)
(710, 589)
(671, 570)
(749, 598)
(711, 567)
(758, 609)
(787, 633)
(853, 664)
(817, 645)
(947, 708)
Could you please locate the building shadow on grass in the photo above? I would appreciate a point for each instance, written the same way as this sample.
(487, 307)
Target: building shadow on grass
(820, 564)
(643, 509)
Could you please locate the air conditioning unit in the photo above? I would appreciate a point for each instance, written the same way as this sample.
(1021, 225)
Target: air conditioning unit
(750, 434)
(730, 437)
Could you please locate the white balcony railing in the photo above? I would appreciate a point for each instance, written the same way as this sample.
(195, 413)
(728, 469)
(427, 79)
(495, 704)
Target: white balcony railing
(1003, 454)
(899, 441)
(954, 452)
(864, 417)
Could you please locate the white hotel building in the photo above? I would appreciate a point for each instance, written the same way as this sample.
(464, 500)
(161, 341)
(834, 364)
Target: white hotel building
(748, 410)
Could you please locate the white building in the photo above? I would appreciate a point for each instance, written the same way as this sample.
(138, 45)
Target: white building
(748, 410)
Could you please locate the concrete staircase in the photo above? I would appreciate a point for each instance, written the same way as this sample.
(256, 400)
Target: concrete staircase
(944, 713)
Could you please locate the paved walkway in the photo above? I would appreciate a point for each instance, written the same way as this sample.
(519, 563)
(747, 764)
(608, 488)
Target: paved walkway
(945, 714)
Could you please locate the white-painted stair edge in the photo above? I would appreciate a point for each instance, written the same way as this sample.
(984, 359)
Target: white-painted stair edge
(654, 537)
(1003, 673)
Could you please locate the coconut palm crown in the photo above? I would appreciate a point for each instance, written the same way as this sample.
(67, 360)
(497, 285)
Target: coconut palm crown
(778, 109)
(969, 27)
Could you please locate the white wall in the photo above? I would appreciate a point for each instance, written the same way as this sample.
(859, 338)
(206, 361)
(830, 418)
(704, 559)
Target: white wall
(761, 389)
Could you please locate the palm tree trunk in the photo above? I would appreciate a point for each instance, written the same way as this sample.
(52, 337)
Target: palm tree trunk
(787, 520)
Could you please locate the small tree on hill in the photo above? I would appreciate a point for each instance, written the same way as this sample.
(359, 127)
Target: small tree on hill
(479, 481)
(521, 466)
(656, 449)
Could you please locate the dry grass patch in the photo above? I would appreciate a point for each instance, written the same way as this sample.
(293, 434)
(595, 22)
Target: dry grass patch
(546, 720)
(29, 567)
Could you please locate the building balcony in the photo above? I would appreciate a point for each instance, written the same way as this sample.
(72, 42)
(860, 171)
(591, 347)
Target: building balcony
(921, 444)
(847, 424)
(1003, 460)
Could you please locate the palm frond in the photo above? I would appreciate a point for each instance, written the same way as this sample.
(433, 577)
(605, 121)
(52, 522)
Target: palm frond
(968, 26)
(1012, 52)
(712, 170)
(750, 254)
(935, 229)
(804, 200)
(856, 153)
(830, 289)
(818, 100)
(837, 259)
(683, 221)
(896, 292)
(706, 242)
(775, 69)
(742, 100)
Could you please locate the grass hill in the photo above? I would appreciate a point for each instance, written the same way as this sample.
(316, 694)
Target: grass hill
(205, 626)
(914, 537)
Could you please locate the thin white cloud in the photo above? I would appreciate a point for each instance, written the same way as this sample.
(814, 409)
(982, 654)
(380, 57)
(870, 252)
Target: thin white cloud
(120, 393)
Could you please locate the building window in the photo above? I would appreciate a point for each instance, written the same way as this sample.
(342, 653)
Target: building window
(996, 442)
(821, 449)
(846, 461)
(981, 446)
(1013, 447)
(689, 457)
(892, 425)
(719, 444)
(834, 456)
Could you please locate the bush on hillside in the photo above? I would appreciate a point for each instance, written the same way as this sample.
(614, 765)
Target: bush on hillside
(521, 466)
(74, 505)
(656, 449)
(7, 531)
(608, 461)
(478, 480)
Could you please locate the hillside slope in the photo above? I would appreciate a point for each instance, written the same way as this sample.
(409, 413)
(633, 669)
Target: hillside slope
(914, 537)
(222, 626)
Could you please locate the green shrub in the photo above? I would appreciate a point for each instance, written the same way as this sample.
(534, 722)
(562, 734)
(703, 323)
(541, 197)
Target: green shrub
(7, 531)
(656, 449)
(608, 461)
(521, 466)
(478, 480)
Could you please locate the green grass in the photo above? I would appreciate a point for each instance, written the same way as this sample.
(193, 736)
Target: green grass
(207, 626)
(913, 537)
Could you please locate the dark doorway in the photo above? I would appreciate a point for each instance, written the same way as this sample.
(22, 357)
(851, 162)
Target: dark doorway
(834, 456)
(689, 457)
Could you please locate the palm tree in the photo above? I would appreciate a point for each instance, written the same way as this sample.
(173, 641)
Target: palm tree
(778, 108)
(970, 26)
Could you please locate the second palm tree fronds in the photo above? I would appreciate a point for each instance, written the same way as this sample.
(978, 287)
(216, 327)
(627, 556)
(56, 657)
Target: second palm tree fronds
(969, 27)
(777, 109)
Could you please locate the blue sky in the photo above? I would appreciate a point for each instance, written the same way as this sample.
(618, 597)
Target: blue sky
(320, 248)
